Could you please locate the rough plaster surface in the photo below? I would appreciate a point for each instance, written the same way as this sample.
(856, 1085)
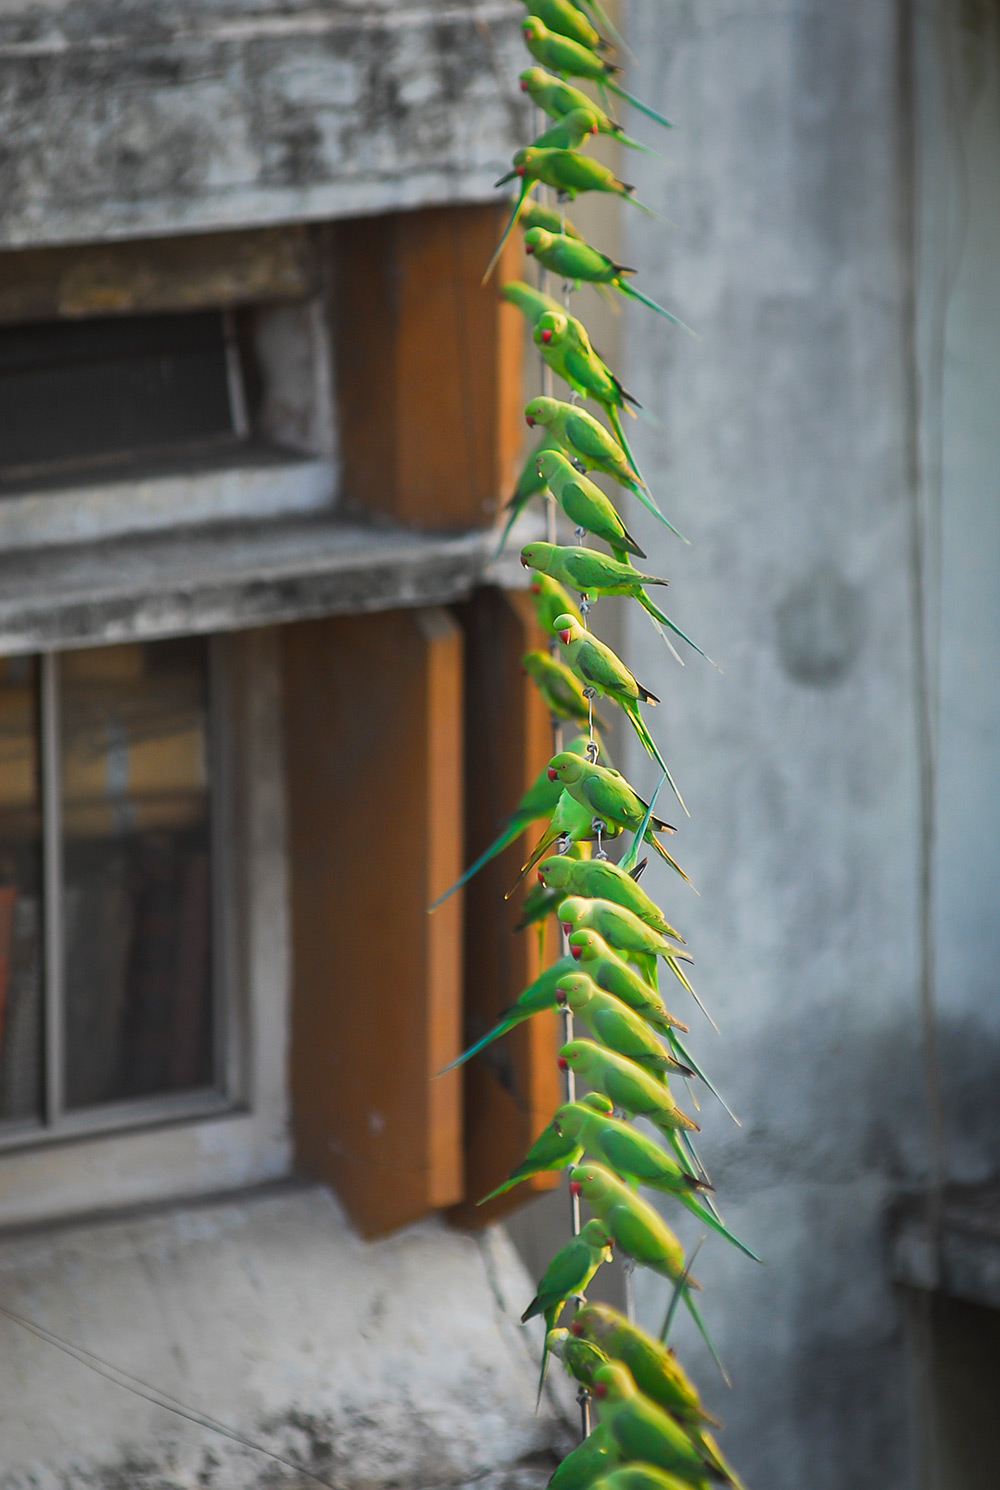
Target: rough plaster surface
(399, 1362)
(131, 120)
(781, 449)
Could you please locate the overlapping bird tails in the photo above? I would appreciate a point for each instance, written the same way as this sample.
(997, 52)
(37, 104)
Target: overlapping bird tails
(665, 620)
(630, 858)
(644, 108)
(684, 1054)
(635, 294)
(704, 1214)
(615, 420)
(650, 746)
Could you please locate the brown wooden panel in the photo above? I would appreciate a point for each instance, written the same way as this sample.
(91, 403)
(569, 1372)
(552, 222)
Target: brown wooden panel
(513, 1087)
(428, 365)
(158, 274)
(374, 710)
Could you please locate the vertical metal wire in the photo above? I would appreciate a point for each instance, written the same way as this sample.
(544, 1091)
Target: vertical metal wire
(52, 888)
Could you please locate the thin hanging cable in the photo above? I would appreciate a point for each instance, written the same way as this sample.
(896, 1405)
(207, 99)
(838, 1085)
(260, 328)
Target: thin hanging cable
(164, 1400)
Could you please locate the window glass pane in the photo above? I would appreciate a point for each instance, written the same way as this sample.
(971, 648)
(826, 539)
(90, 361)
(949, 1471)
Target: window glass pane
(137, 871)
(20, 894)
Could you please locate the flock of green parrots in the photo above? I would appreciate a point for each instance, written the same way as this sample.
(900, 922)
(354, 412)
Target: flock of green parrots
(652, 1432)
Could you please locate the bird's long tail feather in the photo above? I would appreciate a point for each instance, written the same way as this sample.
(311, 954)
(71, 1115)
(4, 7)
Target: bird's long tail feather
(614, 419)
(635, 294)
(649, 745)
(665, 620)
(679, 974)
(496, 847)
(630, 857)
(704, 1214)
(541, 848)
(603, 21)
(655, 843)
(636, 103)
(683, 1054)
(695, 1314)
(678, 1289)
(526, 187)
(494, 1034)
(515, 513)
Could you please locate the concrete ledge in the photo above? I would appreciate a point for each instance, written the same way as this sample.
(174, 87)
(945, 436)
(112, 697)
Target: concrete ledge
(229, 578)
(970, 1262)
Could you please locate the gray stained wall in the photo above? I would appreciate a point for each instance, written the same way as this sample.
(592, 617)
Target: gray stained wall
(788, 446)
(136, 120)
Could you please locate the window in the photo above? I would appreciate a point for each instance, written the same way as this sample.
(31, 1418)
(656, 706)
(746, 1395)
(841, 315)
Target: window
(112, 1007)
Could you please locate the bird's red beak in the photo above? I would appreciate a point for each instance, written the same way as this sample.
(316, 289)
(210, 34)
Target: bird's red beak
(575, 1187)
(552, 773)
(567, 926)
(541, 878)
(564, 638)
(529, 248)
(577, 952)
(518, 170)
(593, 129)
(561, 997)
(529, 421)
(576, 1328)
(599, 1388)
(562, 1062)
(546, 334)
(524, 562)
(524, 86)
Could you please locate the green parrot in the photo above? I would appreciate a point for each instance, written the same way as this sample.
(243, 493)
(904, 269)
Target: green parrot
(600, 879)
(569, 59)
(539, 801)
(585, 504)
(620, 928)
(547, 597)
(642, 1430)
(550, 1150)
(565, 19)
(576, 261)
(530, 302)
(587, 1462)
(566, 1277)
(627, 1085)
(580, 1357)
(568, 133)
(541, 994)
(615, 1026)
(561, 691)
(557, 98)
(592, 574)
(646, 1477)
(601, 669)
(530, 483)
(639, 1161)
(565, 345)
(570, 823)
(535, 214)
(608, 796)
(613, 974)
(641, 1234)
(570, 173)
(654, 1367)
(587, 441)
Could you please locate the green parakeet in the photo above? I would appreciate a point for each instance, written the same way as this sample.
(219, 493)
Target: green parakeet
(642, 1430)
(557, 98)
(620, 928)
(568, 133)
(601, 669)
(654, 1367)
(565, 19)
(534, 214)
(565, 345)
(541, 994)
(580, 1357)
(547, 596)
(592, 573)
(576, 261)
(530, 483)
(570, 822)
(585, 504)
(561, 690)
(550, 1150)
(587, 441)
(616, 1026)
(587, 1462)
(566, 1277)
(625, 1084)
(539, 801)
(608, 795)
(600, 879)
(574, 61)
(570, 173)
(612, 973)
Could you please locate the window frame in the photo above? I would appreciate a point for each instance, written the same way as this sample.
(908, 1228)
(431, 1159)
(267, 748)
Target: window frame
(228, 1092)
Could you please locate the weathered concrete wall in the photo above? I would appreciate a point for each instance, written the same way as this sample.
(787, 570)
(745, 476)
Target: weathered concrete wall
(783, 451)
(137, 120)
(396, 1362)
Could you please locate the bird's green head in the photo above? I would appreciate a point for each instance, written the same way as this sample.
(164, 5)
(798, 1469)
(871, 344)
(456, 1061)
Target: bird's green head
(565, 767)
(595, 1184)
(556, 1342)
(595, 1235)
(550, 327)
(537, 238)
(551, 464)
(523, 160)
(537, 555)
(595, 1322)
(532, 663)
(567, 629)
(532, 29)
(571, 911)
(541, 410)
(534, 78)
(574, 991)
(584, 120)
(576, 1056)
(613, 1383)
(555, 872)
